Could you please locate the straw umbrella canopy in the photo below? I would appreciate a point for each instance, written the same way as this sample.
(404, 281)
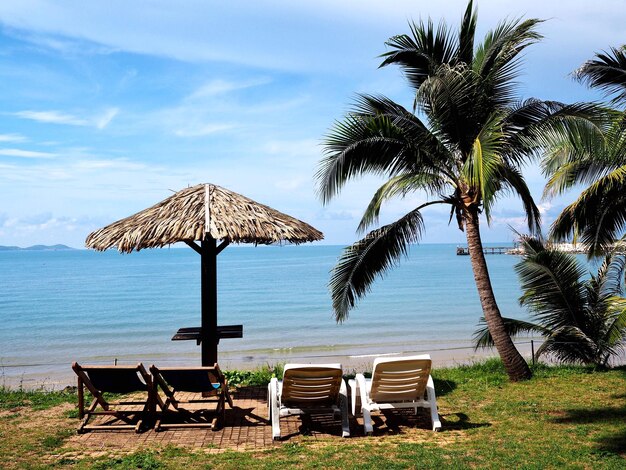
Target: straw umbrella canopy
(203, 213)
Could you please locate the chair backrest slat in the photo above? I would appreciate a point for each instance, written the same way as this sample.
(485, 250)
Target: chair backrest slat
(400, 379)
(306, 385)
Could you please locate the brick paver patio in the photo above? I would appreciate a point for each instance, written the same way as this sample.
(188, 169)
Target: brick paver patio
(246, 427)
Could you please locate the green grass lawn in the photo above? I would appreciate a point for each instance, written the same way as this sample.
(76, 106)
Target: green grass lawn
(570, 417)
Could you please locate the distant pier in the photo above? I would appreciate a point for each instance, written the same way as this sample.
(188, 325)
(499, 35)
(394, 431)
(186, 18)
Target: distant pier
(518, 249)
(488, 250)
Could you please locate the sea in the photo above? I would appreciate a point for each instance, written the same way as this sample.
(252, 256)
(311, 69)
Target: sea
(57, 307)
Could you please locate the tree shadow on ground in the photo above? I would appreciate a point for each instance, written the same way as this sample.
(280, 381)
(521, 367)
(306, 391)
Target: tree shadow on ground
(614, 442)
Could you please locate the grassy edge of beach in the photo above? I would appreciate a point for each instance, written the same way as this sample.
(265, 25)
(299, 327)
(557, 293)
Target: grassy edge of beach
(564, 417)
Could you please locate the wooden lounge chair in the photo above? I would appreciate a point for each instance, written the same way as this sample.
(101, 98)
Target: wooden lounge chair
(113, 379)
(396, 383)
(208, 383)
(307, 388)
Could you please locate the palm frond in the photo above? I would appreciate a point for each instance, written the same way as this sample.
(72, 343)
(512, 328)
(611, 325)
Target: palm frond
(535, 125)
(607, 72)
(570, 344)
(511, 178)
(497, 58)
(466, 35)
(597, 217)
(482, 337)
(610, 276)
(377, 138)
(584, 151)
(455, 108)
(360, 264)
(400, 186)
(615, 335)
(482, 169)
(420, 53)
(550, 282)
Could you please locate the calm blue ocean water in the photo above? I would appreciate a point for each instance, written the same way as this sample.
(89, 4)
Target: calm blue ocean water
(57, 307)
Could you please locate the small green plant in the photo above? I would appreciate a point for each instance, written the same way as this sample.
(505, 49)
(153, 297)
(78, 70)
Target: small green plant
(56, 440)
(256, 377)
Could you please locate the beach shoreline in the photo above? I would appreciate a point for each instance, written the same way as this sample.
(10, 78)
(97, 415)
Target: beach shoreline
(57, 377)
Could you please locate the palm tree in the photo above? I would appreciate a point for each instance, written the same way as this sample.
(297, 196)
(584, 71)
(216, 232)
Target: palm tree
(462, 145)
(595, 156)
(582, 321)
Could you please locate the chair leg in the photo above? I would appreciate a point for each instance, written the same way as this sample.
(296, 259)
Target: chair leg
(81, 427)
(432, 399)
(343, 404)
(275, 409)
(367, 421)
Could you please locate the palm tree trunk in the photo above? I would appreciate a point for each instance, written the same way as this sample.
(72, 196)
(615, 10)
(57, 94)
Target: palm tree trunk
(514, 363)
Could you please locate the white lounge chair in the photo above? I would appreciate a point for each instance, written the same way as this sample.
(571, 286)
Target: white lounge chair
(308, 388)
(397, 382)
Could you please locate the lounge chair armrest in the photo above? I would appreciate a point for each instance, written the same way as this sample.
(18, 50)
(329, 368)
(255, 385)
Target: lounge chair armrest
(273, 401)
(272, 390)
(432, 399)
(361, 386)
(430, 382)
(353, 392)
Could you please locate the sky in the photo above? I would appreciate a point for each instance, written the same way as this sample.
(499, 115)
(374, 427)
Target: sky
(106, 107)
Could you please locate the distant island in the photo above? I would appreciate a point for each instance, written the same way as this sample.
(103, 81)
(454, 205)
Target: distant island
(38, 248)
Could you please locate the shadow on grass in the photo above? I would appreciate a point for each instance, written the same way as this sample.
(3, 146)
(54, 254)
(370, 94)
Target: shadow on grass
(443, 387)
(459, 422)
(614, 442)
(397, 421)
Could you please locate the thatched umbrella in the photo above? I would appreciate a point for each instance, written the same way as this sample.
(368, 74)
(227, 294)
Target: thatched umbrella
(205, 213)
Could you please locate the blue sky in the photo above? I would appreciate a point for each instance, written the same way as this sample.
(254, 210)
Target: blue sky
(108, 106)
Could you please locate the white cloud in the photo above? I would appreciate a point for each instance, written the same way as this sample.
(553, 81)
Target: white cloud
(52, 117)
(199, 130)
(322, 34)
(289, 185)
(63, 45)
(46, 228)
(115, 164)
(544, 208)
(336, 215)
(102, 121)
(26, 153)
(12, 138)
(220, 87)
(58, 117)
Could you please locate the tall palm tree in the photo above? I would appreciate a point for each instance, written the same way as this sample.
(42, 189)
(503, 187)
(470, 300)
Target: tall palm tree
(581, 320)
(594, 156)
(462, 145)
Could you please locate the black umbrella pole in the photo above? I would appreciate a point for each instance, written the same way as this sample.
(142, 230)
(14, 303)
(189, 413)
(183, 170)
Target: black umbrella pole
(209, 301)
